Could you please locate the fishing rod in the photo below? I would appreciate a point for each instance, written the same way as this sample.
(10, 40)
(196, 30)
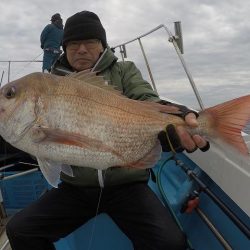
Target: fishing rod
(217, 234)
(207, 221)
(236, 220)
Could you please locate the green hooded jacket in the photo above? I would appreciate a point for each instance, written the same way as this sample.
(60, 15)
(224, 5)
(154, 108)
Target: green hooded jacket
(127, 78)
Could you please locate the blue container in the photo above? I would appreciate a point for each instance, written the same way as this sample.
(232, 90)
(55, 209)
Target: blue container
(19, 192)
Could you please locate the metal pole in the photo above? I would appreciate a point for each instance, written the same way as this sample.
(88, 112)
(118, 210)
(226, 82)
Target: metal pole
(143, 35)
(190, 78)
(9, 62)
(172, 39)
(9, 71)
(240, 224)
(121, 52)
(210, 225)
(147, 64)
(2, 78)
(7, 166)
(20, 174)
(178, 36)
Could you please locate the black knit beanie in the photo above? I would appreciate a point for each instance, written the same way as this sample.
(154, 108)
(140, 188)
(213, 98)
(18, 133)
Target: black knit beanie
(84, 25)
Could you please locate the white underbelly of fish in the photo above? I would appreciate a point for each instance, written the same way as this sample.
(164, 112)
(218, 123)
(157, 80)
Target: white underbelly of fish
(72, 155)
(122, 152)
(80, 157)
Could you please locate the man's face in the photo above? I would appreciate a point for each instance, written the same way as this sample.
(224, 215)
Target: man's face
(83, 54)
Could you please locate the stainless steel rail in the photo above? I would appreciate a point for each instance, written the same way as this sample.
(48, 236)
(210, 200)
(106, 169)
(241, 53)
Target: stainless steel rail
(20, 174)
(2, 78)
(17, 61)
(214, 230)
(175, 40)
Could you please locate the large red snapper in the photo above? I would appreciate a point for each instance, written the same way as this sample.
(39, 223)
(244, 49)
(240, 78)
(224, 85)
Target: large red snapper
(78, 120)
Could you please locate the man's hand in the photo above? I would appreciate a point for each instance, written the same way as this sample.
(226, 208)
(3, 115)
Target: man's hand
(191, 142)
(177, 139)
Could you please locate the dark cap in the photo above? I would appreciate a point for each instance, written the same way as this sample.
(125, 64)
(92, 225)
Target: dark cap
(84, 25)
(55, 17)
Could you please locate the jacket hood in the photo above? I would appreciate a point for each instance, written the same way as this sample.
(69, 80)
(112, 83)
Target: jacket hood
(107, 58)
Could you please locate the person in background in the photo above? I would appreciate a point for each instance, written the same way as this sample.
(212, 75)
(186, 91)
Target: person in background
(51, 41)
(122, 193)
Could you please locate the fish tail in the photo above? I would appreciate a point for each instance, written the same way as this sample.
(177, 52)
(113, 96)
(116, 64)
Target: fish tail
(227, 121)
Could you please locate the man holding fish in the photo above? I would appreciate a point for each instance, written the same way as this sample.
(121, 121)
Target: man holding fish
(121, 192)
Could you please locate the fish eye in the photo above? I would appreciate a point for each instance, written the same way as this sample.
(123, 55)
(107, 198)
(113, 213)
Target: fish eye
(10, 92)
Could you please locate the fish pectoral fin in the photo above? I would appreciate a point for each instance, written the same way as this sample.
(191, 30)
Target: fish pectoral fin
(51, 171)
(72, 139)
(149, 160)
(66, 169)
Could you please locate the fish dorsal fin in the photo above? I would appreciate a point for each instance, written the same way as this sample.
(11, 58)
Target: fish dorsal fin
(92, 78)
(87, 75)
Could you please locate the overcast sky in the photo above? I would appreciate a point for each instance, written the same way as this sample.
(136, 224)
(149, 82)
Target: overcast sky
(216, 36)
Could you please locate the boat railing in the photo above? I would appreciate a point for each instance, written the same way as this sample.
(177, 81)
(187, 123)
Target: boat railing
(177, 41)
(17, 174)
(10, 63)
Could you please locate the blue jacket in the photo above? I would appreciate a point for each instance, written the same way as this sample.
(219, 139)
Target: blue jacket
(51, 37)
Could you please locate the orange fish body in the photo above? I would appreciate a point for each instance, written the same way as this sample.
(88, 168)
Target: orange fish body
(79, 121)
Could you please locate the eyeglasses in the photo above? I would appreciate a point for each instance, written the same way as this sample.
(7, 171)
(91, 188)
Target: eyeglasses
(89, 44)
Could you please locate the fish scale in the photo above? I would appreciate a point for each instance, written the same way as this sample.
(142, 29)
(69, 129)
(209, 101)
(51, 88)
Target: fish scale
(67, 120)
(98, 122)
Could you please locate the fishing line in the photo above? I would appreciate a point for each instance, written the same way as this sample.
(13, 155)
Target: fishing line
(97, 209)
(100, 195)
(27, 64)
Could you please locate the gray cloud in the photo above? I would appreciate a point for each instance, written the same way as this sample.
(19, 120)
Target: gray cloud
(216, 41)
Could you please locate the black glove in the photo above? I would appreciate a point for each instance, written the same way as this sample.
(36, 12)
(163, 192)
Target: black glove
(169, 139)
(183, 109)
